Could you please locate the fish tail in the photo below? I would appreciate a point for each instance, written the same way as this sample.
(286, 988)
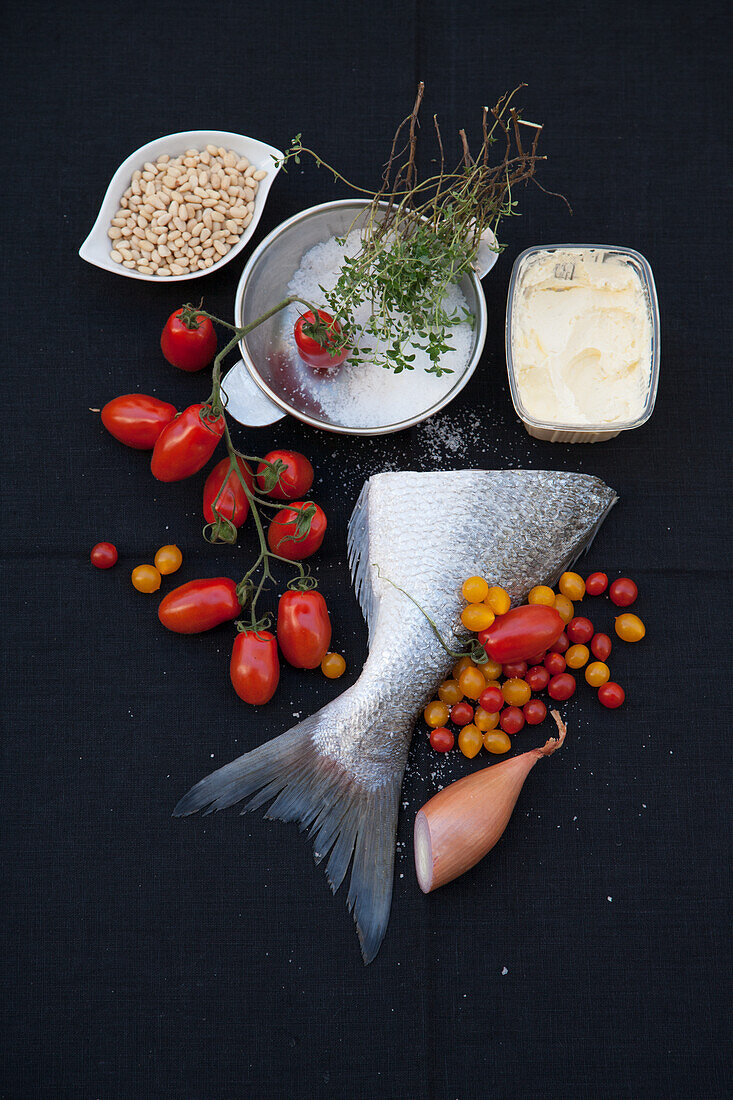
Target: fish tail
(350, 822)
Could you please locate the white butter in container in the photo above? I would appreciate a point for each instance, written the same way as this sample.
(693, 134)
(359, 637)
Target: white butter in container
(582, 341)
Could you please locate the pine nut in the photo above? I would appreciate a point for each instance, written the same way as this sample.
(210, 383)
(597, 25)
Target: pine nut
(163, 159)
(206, 252)
(145, 269)
(164, 271)
(128, 263)
(205, 233)
(114, 233)
(116, 256)
(176, 269)
(260, 174)
(222, 249)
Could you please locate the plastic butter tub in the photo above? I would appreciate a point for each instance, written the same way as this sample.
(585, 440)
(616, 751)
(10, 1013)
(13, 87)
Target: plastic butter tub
(582, 341)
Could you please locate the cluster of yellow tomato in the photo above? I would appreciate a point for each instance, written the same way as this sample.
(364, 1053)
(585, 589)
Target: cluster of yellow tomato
(484, 604)
(147, 578)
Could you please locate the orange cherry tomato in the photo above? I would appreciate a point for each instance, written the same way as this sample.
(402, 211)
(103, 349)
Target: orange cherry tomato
(572, 585)
(498, 600)
(542, 594)
(474, 590)
(577, 656)
(597, 673)
(333, 665)
(497, 742)
(472, 682)
(470, 741)
(516, 692)
(484, 720)
(564, 607)
(491, 669)
(629, 627)
(168, 560)
(436, 714)
(145, 578)
(477, 616)
(450, 692)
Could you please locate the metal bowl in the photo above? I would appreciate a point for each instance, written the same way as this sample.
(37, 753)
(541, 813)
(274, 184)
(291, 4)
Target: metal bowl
(263, 386)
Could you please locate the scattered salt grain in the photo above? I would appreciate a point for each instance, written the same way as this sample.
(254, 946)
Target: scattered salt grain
(504, 971)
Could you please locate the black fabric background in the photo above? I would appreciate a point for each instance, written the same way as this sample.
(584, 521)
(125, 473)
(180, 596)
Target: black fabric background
(148, 957)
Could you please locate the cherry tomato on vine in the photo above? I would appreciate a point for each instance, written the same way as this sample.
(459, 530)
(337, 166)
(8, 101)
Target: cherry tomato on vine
(497, 742)
(521, 632)
(145, 578)
(199, 605)
(333, 665)
(554, 663)
(461, 714)
(295, 475)
(623, 592)
(441, 739)
(611, 695)
(534, 712)
(254, 668)
(136, 419)
(187, 443)
(313, 347)
(285, 538)
(596, 584)
(232, 503)
(168, 560)
(601, 646)
(511, 720)
(103, 555)
(562, 686)
(629, 627)
(492, 699)
(580, 630)
(304, 629)
(190, 343)
(538, 677)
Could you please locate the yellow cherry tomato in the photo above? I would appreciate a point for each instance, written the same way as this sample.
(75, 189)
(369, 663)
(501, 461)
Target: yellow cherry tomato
(565, 608)
(436, 714)
(597, 673)
(470, 741)
(516, 692)
(572, 585)
(472, 682)
(477, 616)
(450, 692)
(498, 600)
(146, 578)
(542, 594)
(168, 560)
(493, 684)
(577, 656)
(629, 627)
(491, 669)
(458, 667)
(333, 665)
(497, 741)
(474, 589)
(485, 721)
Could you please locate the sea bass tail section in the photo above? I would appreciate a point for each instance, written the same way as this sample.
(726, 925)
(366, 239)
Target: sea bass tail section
(350, 822)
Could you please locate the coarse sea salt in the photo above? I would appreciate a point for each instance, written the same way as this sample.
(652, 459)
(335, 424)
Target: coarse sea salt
(367, 395)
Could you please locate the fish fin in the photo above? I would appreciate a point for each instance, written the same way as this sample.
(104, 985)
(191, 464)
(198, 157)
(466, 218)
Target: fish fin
(588, 540)
(349, 822)
(361, 568)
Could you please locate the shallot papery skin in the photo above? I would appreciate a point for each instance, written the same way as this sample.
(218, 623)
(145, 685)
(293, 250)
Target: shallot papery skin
(463, 822)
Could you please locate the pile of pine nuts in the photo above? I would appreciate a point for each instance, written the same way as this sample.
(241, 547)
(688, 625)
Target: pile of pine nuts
(183, 214)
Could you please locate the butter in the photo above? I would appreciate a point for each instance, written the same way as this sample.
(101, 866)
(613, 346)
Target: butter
(581, 338)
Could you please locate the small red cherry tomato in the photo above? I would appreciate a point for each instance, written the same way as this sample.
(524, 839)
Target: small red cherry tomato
(491, 699)
(303, 628)
(199, 605)
(534, 712)
(561, 645)
(536, 659)
(521, 632)
(315, 348)
(601, 646)
(232, 500)
(285, 538)
(136, 419)
(186, 444)
(294, 473)
(511, 719)
(562, 686)
(461, 713)
(188, 344)
(254, 668)
(611, 695)
(103, 555)
(514, 670)
(580, 630)
(538, 678)
(441, 739)
(623, 592)
(554, 663)
(596, 584)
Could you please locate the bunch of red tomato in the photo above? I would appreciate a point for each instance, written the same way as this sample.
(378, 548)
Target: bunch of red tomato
(529, 649)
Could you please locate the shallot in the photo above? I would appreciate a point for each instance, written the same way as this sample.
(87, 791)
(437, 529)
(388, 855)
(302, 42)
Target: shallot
(460, 824)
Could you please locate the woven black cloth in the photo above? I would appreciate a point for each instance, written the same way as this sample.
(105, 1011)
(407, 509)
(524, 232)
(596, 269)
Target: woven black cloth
(149, 957)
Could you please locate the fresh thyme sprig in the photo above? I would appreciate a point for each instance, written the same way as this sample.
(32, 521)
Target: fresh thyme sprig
(419, 238)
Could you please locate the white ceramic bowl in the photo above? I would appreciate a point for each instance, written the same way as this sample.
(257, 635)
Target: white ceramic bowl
(96, 248)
